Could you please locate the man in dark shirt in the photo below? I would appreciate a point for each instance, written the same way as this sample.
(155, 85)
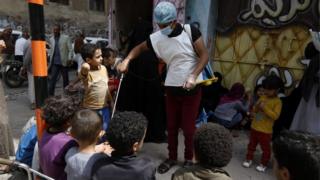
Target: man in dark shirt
(60, 57)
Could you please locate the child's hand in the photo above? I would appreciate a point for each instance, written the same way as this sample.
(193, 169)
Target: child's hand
(104, 148)
(70, 87)
(261, 105)
(85, 68)
(99, 148)
(107, 149)
(2, 44)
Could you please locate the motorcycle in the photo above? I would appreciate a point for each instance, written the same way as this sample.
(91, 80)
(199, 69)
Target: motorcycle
(11, 73)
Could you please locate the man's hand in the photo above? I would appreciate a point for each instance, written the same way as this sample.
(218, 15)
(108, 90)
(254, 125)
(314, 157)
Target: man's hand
(190, 83)
(2, 45)
(85, 68)
(123, 66)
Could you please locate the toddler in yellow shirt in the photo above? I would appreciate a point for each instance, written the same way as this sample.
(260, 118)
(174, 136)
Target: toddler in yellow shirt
(265, 112)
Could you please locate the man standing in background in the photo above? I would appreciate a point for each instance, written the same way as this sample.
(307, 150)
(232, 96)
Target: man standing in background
(21, 45)
(60, 56)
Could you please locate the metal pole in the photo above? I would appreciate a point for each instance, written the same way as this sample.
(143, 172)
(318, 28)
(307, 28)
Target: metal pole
(116, 100)
(39, 59)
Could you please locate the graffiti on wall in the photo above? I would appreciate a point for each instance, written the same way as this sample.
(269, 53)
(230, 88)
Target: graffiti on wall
(274, 13)
(268, 13)
(248, 54)
(283, 73)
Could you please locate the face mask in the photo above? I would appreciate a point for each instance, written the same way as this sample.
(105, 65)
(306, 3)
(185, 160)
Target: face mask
(167, 30)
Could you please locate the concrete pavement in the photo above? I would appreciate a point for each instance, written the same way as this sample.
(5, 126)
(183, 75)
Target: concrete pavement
(20, 112)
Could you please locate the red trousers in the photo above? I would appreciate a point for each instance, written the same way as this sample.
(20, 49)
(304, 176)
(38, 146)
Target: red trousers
(182, 112)
(264, 140)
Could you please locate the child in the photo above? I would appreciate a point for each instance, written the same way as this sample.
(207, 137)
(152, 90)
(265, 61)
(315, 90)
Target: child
(265, 112)
(86, 128)
(232, 107)
(296, 156)
(125, 134)
(257, 93)
(110, 61)
(213, 151)
(95, 80)
(55, 142)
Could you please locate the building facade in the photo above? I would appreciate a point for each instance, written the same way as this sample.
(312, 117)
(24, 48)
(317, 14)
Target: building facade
(89, 16)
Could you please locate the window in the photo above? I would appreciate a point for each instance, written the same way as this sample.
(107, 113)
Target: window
(97, 5)
(65, 2)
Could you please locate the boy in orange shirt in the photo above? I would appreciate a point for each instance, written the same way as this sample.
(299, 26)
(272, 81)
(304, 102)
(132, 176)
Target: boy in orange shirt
(265, 112)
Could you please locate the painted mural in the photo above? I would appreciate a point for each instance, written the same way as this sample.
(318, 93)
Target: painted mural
(268, 13)
(264, 37)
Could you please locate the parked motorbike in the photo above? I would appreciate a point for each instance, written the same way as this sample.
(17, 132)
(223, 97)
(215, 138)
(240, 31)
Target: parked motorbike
(10, 71)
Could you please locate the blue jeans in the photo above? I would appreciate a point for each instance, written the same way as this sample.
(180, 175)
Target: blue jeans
(105, 114)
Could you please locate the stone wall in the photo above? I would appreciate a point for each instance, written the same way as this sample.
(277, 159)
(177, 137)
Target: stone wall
(73, 17)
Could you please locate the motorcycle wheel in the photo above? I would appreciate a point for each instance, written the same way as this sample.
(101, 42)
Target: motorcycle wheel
(12, 78)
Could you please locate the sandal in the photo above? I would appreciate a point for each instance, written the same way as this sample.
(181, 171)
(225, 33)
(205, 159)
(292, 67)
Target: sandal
(166, 166)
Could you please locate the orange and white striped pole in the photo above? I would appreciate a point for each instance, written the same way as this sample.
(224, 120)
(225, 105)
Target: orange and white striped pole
(39, 59)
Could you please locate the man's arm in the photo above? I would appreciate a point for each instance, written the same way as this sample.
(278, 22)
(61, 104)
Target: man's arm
(134, 53)
(70, 50)
(202, 52)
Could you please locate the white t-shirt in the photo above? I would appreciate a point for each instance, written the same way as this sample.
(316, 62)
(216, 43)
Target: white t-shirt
(20, 45)
(178, 54)
(76, 164)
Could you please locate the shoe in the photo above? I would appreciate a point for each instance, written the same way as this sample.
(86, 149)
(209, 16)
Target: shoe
(166, 166)
(188, 163)
(261, 168)
(247, 163)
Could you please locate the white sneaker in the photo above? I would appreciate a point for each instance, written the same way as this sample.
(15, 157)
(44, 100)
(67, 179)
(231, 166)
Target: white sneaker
(247, 163)
(261, 168)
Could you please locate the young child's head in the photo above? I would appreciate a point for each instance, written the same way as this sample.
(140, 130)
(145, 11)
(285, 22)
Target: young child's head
(296, 156)
(86, 126)
(109, 57)
(58, 110)
(126, 132)
(91, 54)
(237, 91)
(212, 145)
(258, 90)
(271, 85)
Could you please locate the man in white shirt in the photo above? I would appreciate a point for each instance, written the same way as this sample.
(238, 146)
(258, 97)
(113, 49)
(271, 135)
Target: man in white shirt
(20, 46)
(182, 48)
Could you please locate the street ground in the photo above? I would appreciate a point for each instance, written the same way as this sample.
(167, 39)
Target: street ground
(20, 112)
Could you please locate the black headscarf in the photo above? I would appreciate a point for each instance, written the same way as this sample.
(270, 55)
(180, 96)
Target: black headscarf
(311, 74)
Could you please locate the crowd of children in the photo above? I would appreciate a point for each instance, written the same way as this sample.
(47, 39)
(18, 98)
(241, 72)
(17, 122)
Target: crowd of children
(81, 142)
